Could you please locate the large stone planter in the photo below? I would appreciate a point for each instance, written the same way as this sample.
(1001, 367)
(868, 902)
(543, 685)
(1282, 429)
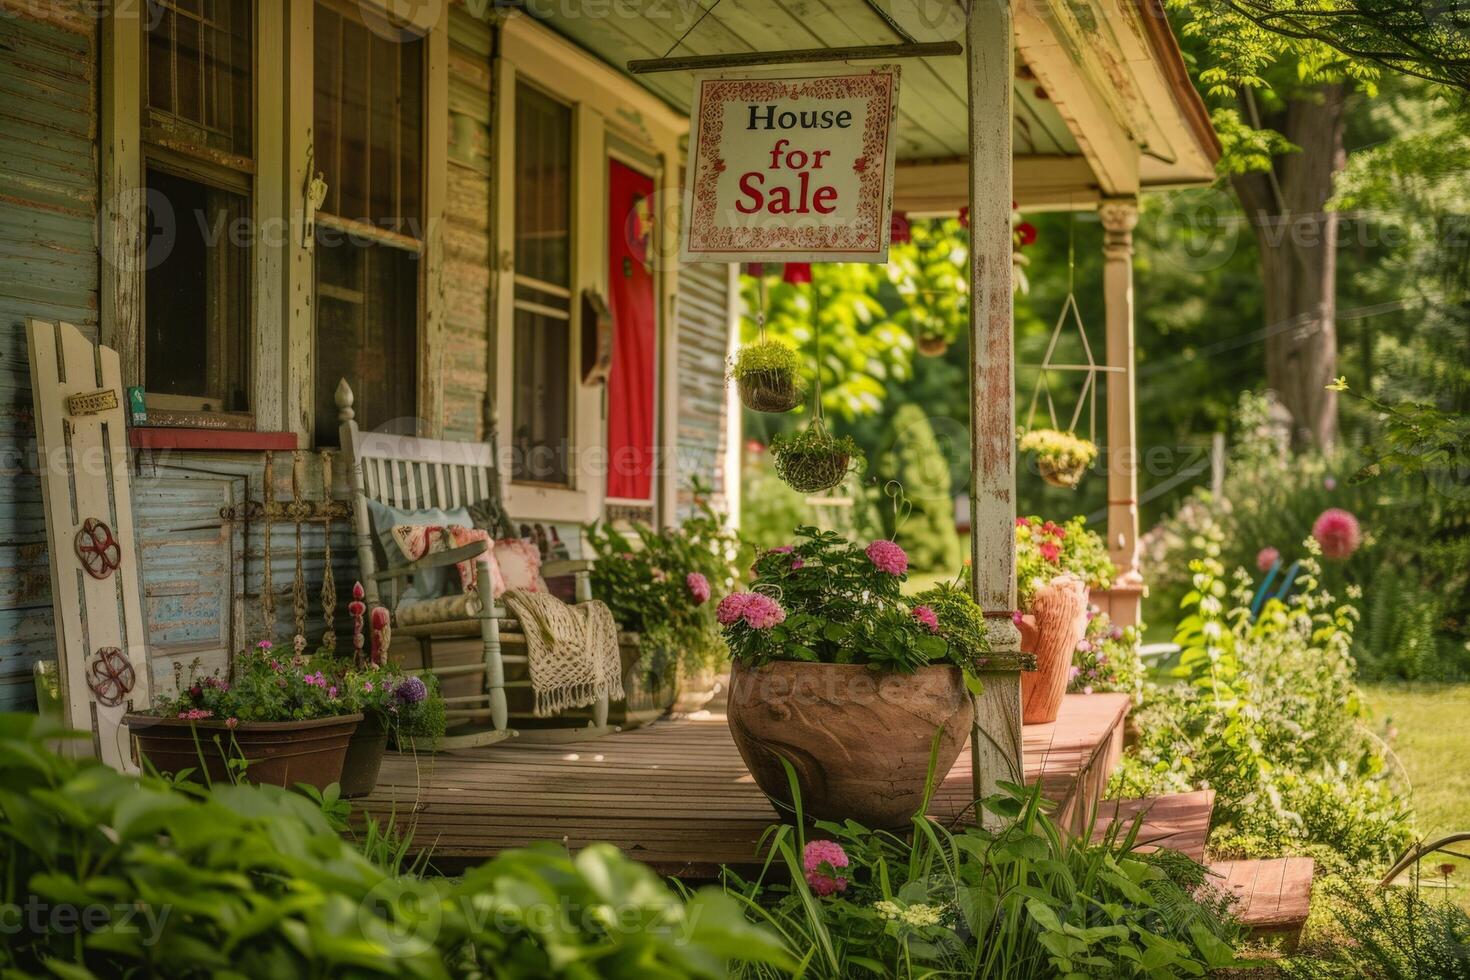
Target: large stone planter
(858, 740)
(1056, 624)
(281, 753)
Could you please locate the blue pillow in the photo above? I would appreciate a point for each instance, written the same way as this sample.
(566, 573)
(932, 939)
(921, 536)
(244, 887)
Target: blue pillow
(428, 584)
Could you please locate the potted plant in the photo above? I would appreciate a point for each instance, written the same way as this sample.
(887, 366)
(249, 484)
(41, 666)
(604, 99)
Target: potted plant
(767, 376)
(1061, 457)
(835, 673)
(813, 459)
(285, 723)
(1056, 564)
(393, 704)
(658, 585)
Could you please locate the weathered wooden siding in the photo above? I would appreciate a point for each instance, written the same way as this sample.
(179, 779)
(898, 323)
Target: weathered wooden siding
(703, 324)
(467, 229)
(48, 268)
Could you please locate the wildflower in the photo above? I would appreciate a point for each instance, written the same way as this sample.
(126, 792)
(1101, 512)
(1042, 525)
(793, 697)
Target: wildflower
(1074, 671)
(1116, 633)
(762, 612)
(1266, 558)
(920, 916)
(1355, 591)
(1084, 646)
(1337, 531)
(232, 722)
(887, 909)
(698, 587)
(888, 557)
(332, 692)
(264, 645)
(925, 615)
(783, 549)
(367, 687)
(411, 691)
(822, 860)
(1329, 483)
(731, 608)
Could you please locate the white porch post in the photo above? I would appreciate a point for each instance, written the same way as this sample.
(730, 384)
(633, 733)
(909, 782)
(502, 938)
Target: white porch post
(1119, 216)
(995, 742)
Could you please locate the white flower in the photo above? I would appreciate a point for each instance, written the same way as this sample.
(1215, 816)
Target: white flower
(919, 916)
(888, 910)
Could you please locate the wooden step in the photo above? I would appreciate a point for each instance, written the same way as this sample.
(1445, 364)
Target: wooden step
(1179, 822)
(1273, 895)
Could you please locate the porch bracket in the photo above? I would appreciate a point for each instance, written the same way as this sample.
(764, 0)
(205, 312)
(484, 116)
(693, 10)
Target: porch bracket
(798, 56)
(995, 742)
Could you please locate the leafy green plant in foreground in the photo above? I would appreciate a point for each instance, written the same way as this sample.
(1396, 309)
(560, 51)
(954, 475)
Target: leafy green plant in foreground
(108, 875)
(1017, 903)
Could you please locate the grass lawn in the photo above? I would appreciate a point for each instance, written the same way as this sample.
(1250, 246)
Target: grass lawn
(1426, 726)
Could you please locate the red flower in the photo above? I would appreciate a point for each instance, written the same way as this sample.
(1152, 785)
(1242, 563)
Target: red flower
(1050, 550)
(797, 273)
(1026, 233)
(898, 229)
(965, 216)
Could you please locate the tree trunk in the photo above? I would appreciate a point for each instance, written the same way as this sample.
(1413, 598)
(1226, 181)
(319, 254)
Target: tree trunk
(1297, 236)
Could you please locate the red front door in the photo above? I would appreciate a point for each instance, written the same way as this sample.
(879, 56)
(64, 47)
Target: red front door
(631, 394)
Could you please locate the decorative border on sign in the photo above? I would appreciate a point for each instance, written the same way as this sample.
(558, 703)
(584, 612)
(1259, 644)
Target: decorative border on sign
(863, 235)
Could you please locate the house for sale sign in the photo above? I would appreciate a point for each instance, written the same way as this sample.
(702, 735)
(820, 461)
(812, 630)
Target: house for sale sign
(795, 166)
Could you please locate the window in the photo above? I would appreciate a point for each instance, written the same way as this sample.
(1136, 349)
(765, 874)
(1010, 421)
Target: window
(369, 113)
(198, 153)
(541, 414)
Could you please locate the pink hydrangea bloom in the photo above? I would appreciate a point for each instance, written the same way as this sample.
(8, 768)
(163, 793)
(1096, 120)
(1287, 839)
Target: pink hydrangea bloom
(698, 587)
(1266, 558)
(926, 616)
(731, 608)
(888, 557)
(797, 563)
(1337, 531)
(820, 858)
(762, 612)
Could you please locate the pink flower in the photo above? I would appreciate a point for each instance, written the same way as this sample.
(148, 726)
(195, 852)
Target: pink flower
(698, 587)
(1329, 483)
(926, 616)
(784, 549)
(731, 608)
(1338, 533)
(1050, 550)
(1073, 671)
(888, 557)
(762, 612)
(231, 722)
(264, 645)
(1266, 558)
(1017, 617)
(367, 687)
(332, 692)
(196, 714)
(1087, 689)
(1116, 633)
(797, 563)
(821, 860)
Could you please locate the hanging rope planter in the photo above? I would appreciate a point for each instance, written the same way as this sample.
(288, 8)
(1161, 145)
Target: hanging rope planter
(1063, 457)
(766, 372)
(814, 460)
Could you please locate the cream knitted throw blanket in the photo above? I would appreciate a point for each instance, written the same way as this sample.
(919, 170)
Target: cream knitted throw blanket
(572, 650)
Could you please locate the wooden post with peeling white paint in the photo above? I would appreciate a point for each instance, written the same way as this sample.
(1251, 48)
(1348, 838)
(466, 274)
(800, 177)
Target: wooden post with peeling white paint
(1118, 217)
(995, 742)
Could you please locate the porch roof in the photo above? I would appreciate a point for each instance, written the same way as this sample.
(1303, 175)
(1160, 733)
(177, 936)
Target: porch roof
(1102, 103)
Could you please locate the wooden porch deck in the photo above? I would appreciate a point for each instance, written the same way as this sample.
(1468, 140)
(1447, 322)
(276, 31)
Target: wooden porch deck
(676, 795)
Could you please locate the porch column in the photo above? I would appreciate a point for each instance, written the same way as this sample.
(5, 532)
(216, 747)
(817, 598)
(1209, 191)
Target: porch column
(1119, 216)
(995, 742)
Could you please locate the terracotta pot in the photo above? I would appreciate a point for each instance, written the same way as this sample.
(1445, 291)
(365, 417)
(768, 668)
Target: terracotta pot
(1056, 624)
(281, 753)
(364, 757)
(859, 741)
(769, 391)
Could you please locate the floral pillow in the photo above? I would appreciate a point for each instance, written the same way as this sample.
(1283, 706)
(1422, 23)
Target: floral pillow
(417, 540)
(520, 564)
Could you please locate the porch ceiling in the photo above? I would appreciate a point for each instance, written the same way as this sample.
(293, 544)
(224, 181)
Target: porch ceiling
(1102, 105)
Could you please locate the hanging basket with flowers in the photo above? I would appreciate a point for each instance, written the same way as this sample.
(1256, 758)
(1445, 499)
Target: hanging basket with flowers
(1062, 457)
(765, 373)
(813, 459)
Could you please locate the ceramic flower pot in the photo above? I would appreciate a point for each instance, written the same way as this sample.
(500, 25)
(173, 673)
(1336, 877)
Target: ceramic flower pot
(364, 757)
(858, 740)
(769, 391)
(280, 753)
(1051, 632)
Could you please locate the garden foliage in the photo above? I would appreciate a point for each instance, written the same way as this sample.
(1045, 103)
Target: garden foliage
(1268, 715)
(1013, 904)
(925, 523)
(107, 875)
(648, 579)
(1390, 934)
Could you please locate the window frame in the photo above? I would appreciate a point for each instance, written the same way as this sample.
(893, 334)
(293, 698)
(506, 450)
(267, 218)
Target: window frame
(160, 148)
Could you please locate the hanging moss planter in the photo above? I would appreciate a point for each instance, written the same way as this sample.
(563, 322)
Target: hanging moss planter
(813, 459)
(766, 375)
(1061, 457)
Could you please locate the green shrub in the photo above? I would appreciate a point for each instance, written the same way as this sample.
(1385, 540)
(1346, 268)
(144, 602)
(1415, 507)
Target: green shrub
(768, 355)
(1268, 715)
(1394, 934)
(107, 875)
(1013, 904)
(916, 462)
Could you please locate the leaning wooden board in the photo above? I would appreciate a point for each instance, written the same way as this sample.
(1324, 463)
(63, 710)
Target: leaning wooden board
(82, 452)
